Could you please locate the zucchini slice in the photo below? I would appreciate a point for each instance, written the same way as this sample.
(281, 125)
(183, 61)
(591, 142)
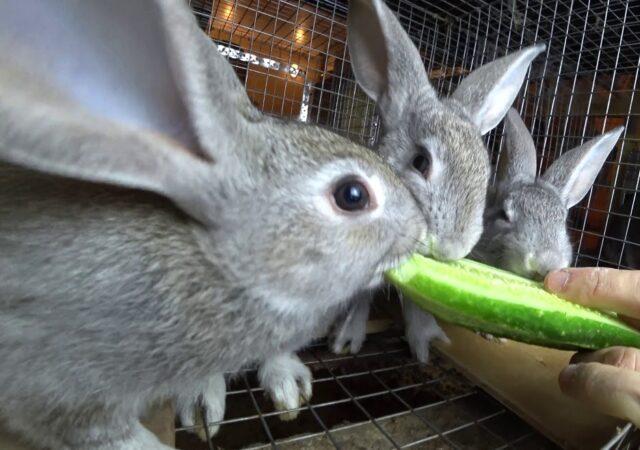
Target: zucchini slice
(495, 301)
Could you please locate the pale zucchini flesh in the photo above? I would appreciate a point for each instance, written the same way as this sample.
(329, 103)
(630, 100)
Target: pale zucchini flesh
(498, 302)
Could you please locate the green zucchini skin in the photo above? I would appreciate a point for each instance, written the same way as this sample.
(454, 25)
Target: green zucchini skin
(490, 300)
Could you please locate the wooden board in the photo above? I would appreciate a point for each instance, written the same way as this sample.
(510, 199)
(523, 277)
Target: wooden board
(524, 377)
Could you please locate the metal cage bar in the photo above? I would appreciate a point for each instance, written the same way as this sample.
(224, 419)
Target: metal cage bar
(396, 404)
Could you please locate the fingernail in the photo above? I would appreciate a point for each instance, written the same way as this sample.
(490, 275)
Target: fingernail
(557, 281)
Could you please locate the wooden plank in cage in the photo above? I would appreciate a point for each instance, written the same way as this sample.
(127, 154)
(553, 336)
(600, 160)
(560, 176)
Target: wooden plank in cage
(525, 378)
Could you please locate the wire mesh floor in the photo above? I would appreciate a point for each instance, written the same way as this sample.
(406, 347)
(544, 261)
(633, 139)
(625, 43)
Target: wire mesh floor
(381, 398)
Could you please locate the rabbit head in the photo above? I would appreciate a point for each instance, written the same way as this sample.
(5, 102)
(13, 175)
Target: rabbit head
(525, 223)
(434, 144)
(134, 94)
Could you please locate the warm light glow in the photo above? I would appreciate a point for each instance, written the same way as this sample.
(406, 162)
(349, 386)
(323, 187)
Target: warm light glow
(299, 35)
(227, 12)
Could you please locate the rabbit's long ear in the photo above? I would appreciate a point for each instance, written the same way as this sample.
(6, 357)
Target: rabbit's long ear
(117, 91)
(574, 172)
(488, 92)
(518, 158)
(387, 65)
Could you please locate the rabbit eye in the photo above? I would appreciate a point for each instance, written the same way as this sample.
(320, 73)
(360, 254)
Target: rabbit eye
(351, 195)
(422, 163)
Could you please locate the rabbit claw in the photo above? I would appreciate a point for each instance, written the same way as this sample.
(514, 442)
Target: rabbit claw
(210, 402)
(349, 335)
(288, 382)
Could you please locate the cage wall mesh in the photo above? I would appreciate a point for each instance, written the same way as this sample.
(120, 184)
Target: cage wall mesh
(294, 62)
(293, 59)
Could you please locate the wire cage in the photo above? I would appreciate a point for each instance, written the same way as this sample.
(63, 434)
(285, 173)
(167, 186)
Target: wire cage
(293, 59)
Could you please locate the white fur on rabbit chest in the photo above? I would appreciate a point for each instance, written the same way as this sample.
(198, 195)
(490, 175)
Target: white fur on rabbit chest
(127, 326)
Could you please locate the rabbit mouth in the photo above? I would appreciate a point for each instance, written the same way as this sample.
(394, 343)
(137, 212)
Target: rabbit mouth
(395, 256)
(389, 260)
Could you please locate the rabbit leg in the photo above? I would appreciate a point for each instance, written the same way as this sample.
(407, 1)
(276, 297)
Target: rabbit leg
(69, 433)
(139, 439)
(350, 332)
(287, 381)
(209, 399)
(420, 329)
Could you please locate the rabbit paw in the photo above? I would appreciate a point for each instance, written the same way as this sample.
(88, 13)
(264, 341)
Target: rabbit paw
(210, 401)
(287, 381)
(421, 329)
(350, 333)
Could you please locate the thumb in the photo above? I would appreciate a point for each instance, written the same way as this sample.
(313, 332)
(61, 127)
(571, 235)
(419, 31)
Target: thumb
(609, 389)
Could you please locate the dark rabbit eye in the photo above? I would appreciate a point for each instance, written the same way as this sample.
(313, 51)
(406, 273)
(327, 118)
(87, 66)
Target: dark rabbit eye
(504, 216)
(351, 195)
(422, 163)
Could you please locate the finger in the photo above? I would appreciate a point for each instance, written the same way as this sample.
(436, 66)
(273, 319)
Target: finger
(622, 357)
(609, 389)
(597, 287)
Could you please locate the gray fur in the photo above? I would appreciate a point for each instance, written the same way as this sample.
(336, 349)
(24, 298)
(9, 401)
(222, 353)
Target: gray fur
(576, 171)
(517, 165)
(224, 254)
(447, 130)
(389, 68)
(534, 240)
(488, 91)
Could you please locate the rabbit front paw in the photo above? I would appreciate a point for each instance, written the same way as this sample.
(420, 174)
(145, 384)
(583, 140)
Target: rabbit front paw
(421, 329)
(349, 334)
(210, 401)
(348, 338)
(288, 382)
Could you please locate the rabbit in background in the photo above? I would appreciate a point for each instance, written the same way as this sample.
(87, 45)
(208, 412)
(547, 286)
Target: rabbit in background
(525, 222)
(157, 230)
(434, 144)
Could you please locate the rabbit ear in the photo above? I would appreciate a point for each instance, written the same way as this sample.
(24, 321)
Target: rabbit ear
(518, 158)
(574, 172)
(125, 92)
(488, 92)
(386, 63)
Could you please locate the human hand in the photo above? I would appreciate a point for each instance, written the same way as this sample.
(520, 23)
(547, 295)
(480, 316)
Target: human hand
(607, 379)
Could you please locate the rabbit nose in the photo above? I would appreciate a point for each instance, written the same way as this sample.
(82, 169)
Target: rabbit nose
(448, 249)
(543, 263)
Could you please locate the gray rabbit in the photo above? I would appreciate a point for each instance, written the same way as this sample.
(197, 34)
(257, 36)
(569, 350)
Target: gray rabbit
(156, 229)
(525, 222)
(434, 144)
